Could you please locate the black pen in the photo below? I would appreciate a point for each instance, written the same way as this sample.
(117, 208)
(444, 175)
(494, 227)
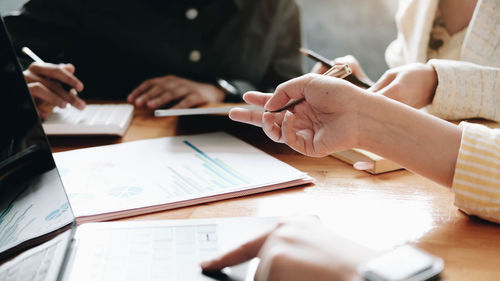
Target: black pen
(326, 63)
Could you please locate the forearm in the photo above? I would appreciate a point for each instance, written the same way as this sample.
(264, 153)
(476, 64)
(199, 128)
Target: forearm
(419, 142)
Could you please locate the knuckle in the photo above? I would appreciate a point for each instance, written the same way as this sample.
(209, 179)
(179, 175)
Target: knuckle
(388, 74)
(308, 76)
(37, 86)
(58, 71)
(70, 97)
(154, 89)
(195, 95)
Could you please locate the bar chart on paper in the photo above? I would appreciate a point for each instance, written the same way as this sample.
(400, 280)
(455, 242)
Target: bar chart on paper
(213, 174)
(168, 172)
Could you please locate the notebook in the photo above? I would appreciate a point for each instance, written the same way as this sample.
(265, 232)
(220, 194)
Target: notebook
(380, 164)
(95, 119)
(115, 181)
(39, 239)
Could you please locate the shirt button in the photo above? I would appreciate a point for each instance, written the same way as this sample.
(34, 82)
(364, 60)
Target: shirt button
(195, 56)
(191, 14)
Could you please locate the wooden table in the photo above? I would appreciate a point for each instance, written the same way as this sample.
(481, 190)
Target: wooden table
(380, 211)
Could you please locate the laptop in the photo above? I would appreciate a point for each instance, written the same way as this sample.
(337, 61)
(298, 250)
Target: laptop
(39, 237)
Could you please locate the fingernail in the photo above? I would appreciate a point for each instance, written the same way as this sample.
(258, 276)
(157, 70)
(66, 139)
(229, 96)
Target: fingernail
(79, 87)
(63, 104)
(81, 105)
(362, 166)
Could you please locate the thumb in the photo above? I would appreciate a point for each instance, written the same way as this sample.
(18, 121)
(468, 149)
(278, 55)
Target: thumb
(319, 68)
(385, 80)
(389, 90)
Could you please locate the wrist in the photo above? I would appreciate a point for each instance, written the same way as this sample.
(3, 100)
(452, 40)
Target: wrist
(217, 93)
(230, 91)
(432, 81)
(373, 111)
(417, 141)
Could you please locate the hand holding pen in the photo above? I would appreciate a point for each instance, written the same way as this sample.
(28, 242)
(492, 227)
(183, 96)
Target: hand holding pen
(337, 71)
(52, 85)
(326, 121)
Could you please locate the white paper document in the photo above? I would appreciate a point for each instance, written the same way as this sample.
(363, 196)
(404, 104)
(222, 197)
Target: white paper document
(120, 180)
(200, 111)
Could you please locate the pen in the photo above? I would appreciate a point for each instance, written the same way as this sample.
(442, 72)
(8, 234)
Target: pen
(326, 63)
(27, 51)
(338, 71)
(32, 55)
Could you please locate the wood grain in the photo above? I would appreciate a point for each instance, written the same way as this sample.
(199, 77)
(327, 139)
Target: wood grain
(380, 211)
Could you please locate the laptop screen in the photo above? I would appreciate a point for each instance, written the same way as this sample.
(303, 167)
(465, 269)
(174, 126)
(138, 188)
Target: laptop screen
(33, 203)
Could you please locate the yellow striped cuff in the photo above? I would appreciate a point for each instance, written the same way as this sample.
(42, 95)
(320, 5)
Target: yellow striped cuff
(476, 182)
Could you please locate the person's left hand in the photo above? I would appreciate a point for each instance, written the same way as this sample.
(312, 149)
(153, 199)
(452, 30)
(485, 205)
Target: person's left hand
(412, 84)
(301, 250)
(157, 92)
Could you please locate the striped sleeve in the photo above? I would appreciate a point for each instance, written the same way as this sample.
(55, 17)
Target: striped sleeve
(476, 182)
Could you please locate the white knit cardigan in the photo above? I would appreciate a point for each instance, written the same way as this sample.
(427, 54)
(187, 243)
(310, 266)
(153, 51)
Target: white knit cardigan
(467, 88)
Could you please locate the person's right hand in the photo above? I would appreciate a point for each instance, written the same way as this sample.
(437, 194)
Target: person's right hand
(299, 250)
(45, 84)
(328, 121)
(350, 60)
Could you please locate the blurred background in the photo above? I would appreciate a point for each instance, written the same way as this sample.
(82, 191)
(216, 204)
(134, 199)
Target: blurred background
(334, 28)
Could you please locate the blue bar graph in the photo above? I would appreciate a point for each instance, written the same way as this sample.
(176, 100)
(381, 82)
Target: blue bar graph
(221, 165)
(207, 175)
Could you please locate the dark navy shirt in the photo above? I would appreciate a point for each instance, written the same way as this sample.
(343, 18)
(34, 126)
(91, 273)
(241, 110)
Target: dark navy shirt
(117, 44)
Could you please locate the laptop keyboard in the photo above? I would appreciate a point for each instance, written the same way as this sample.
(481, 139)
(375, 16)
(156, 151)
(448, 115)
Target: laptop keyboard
(159, 253)
(153, 253)
(93, 114)
(33, 267)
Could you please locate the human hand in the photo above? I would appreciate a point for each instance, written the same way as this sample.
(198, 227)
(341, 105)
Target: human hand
(45, 83)
(413, 84)
(299, 250)
(326, 122)
(157, 92)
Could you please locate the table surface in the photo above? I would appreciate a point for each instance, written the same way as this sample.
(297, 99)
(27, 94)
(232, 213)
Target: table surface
(378, 211)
